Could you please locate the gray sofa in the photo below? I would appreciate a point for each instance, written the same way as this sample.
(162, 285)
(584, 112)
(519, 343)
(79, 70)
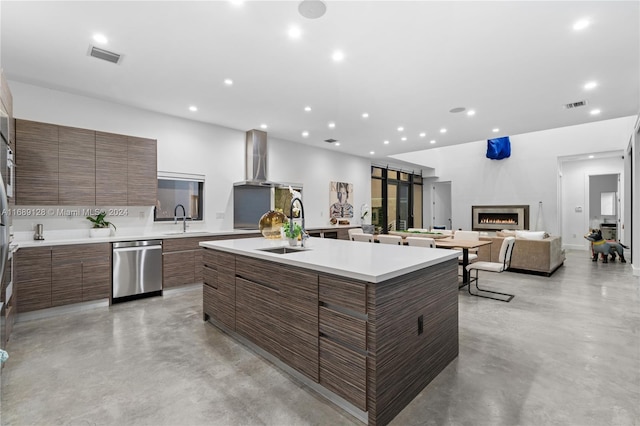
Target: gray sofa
(542, 257)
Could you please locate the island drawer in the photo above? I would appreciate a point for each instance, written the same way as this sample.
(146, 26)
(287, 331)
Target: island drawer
(214, 259)
(344, 372)
(347, 294)
(259, 271)
(347, 330)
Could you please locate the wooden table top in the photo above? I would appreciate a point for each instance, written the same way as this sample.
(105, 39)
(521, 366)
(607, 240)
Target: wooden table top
(450, 243)
(405, 234)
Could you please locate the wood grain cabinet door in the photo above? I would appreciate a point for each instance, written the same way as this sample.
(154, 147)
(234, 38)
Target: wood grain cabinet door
(142, 172)
(33, 278)
(77, 166)
(111, 169)
(177, 269)
(36, 163)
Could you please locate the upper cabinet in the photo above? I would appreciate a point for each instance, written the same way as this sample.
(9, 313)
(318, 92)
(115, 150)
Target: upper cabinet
(59, 165)
(111, 169)
(142, 175)
(36, 161)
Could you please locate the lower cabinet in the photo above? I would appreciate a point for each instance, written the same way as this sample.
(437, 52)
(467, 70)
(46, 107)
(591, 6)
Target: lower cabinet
(32, 287)
(273, 306)
(61, 275)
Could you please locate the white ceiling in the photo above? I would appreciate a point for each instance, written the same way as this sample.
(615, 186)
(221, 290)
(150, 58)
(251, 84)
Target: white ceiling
(406, 64)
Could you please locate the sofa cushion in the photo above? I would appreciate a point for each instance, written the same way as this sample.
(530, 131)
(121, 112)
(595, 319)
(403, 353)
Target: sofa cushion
(532, 235)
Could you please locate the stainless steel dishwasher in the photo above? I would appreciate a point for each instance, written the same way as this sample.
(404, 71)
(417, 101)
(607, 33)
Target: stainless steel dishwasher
(137, 269)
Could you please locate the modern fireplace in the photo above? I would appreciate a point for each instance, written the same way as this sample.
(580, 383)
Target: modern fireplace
(496, 218)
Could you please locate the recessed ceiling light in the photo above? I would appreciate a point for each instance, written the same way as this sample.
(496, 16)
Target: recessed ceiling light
(337, 144)
(100, 38)
(307, 108)
(305, 134)
(193, 108)
(365, 115)
(294, 32)
(591, 156)
(423, 134)
(590, 85)
(372, 152)
(432, 141)
(400, 129)
(471, 112)
(236, 2)
(404, 138)
(495, 130)
(581, 24)
(228, 81)
(595, 112)
(331, 125)
(337, 56)
(443, 130)
(386, 142)
(263, 126)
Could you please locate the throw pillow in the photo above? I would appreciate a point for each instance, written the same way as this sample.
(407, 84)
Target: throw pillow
(531, 235)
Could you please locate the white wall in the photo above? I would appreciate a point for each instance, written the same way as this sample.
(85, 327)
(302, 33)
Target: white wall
(530, 175)
(575, 194)
(187, 146)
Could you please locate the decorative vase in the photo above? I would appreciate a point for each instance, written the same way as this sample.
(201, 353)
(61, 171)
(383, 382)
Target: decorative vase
(99, 232)
(293, 242)
(271, 224)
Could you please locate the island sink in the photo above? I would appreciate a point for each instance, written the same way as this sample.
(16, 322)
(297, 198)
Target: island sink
(283, 250)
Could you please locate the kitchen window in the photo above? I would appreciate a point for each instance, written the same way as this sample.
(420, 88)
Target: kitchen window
(176, 189)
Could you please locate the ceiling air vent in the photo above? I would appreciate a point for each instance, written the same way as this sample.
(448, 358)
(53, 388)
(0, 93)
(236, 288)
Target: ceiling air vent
(575, 104)
(96, 52)
(331, 140)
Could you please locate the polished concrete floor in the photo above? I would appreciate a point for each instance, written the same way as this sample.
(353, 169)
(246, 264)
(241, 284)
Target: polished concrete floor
(565, 351)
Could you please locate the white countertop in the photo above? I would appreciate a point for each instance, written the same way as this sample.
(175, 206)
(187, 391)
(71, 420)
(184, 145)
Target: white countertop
(133, 237)
(362, 261)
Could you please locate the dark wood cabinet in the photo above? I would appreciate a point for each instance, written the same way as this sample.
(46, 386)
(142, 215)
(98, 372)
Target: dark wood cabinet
(218, 270)
(62, 275)
(76, 166)
(36, 163)
(80, 273)
(57, 165)
(111, 169)
(32, 285)
(142, 183)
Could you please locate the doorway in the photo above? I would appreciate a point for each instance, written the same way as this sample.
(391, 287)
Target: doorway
(441, 205)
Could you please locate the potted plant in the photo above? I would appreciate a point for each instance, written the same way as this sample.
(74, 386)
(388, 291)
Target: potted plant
(292, 234)
(100, 226)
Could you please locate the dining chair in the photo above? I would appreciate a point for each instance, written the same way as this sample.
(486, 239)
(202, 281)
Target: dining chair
(421, 242)
(390, 239)
(355, 231)
(504, 260)
(365, 238)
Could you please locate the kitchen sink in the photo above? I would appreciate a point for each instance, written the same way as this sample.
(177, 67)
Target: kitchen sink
(283, 250)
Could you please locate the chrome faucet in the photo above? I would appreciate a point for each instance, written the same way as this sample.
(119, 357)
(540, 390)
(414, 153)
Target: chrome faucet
(296, 197)
(184, 217)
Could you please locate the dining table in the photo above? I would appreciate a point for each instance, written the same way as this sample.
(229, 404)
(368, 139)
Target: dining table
(465, 245)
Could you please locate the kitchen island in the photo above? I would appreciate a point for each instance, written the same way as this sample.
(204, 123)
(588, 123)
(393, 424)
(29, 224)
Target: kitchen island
(366, 325)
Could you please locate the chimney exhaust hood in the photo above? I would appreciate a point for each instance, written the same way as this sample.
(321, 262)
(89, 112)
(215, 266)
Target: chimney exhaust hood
(256, 164)
(256, 195)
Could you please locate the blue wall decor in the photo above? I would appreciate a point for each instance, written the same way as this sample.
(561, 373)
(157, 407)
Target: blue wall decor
(499, 148)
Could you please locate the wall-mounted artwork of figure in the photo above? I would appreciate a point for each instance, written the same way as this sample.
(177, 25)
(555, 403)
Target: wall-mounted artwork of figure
(340, 197)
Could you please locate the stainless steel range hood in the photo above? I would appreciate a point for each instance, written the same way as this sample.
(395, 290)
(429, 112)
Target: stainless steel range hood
(256, 195)
(256, 164)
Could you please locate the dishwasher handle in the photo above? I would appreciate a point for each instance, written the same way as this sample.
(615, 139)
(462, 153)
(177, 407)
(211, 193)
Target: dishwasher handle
(146, 243)
(139, 248)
